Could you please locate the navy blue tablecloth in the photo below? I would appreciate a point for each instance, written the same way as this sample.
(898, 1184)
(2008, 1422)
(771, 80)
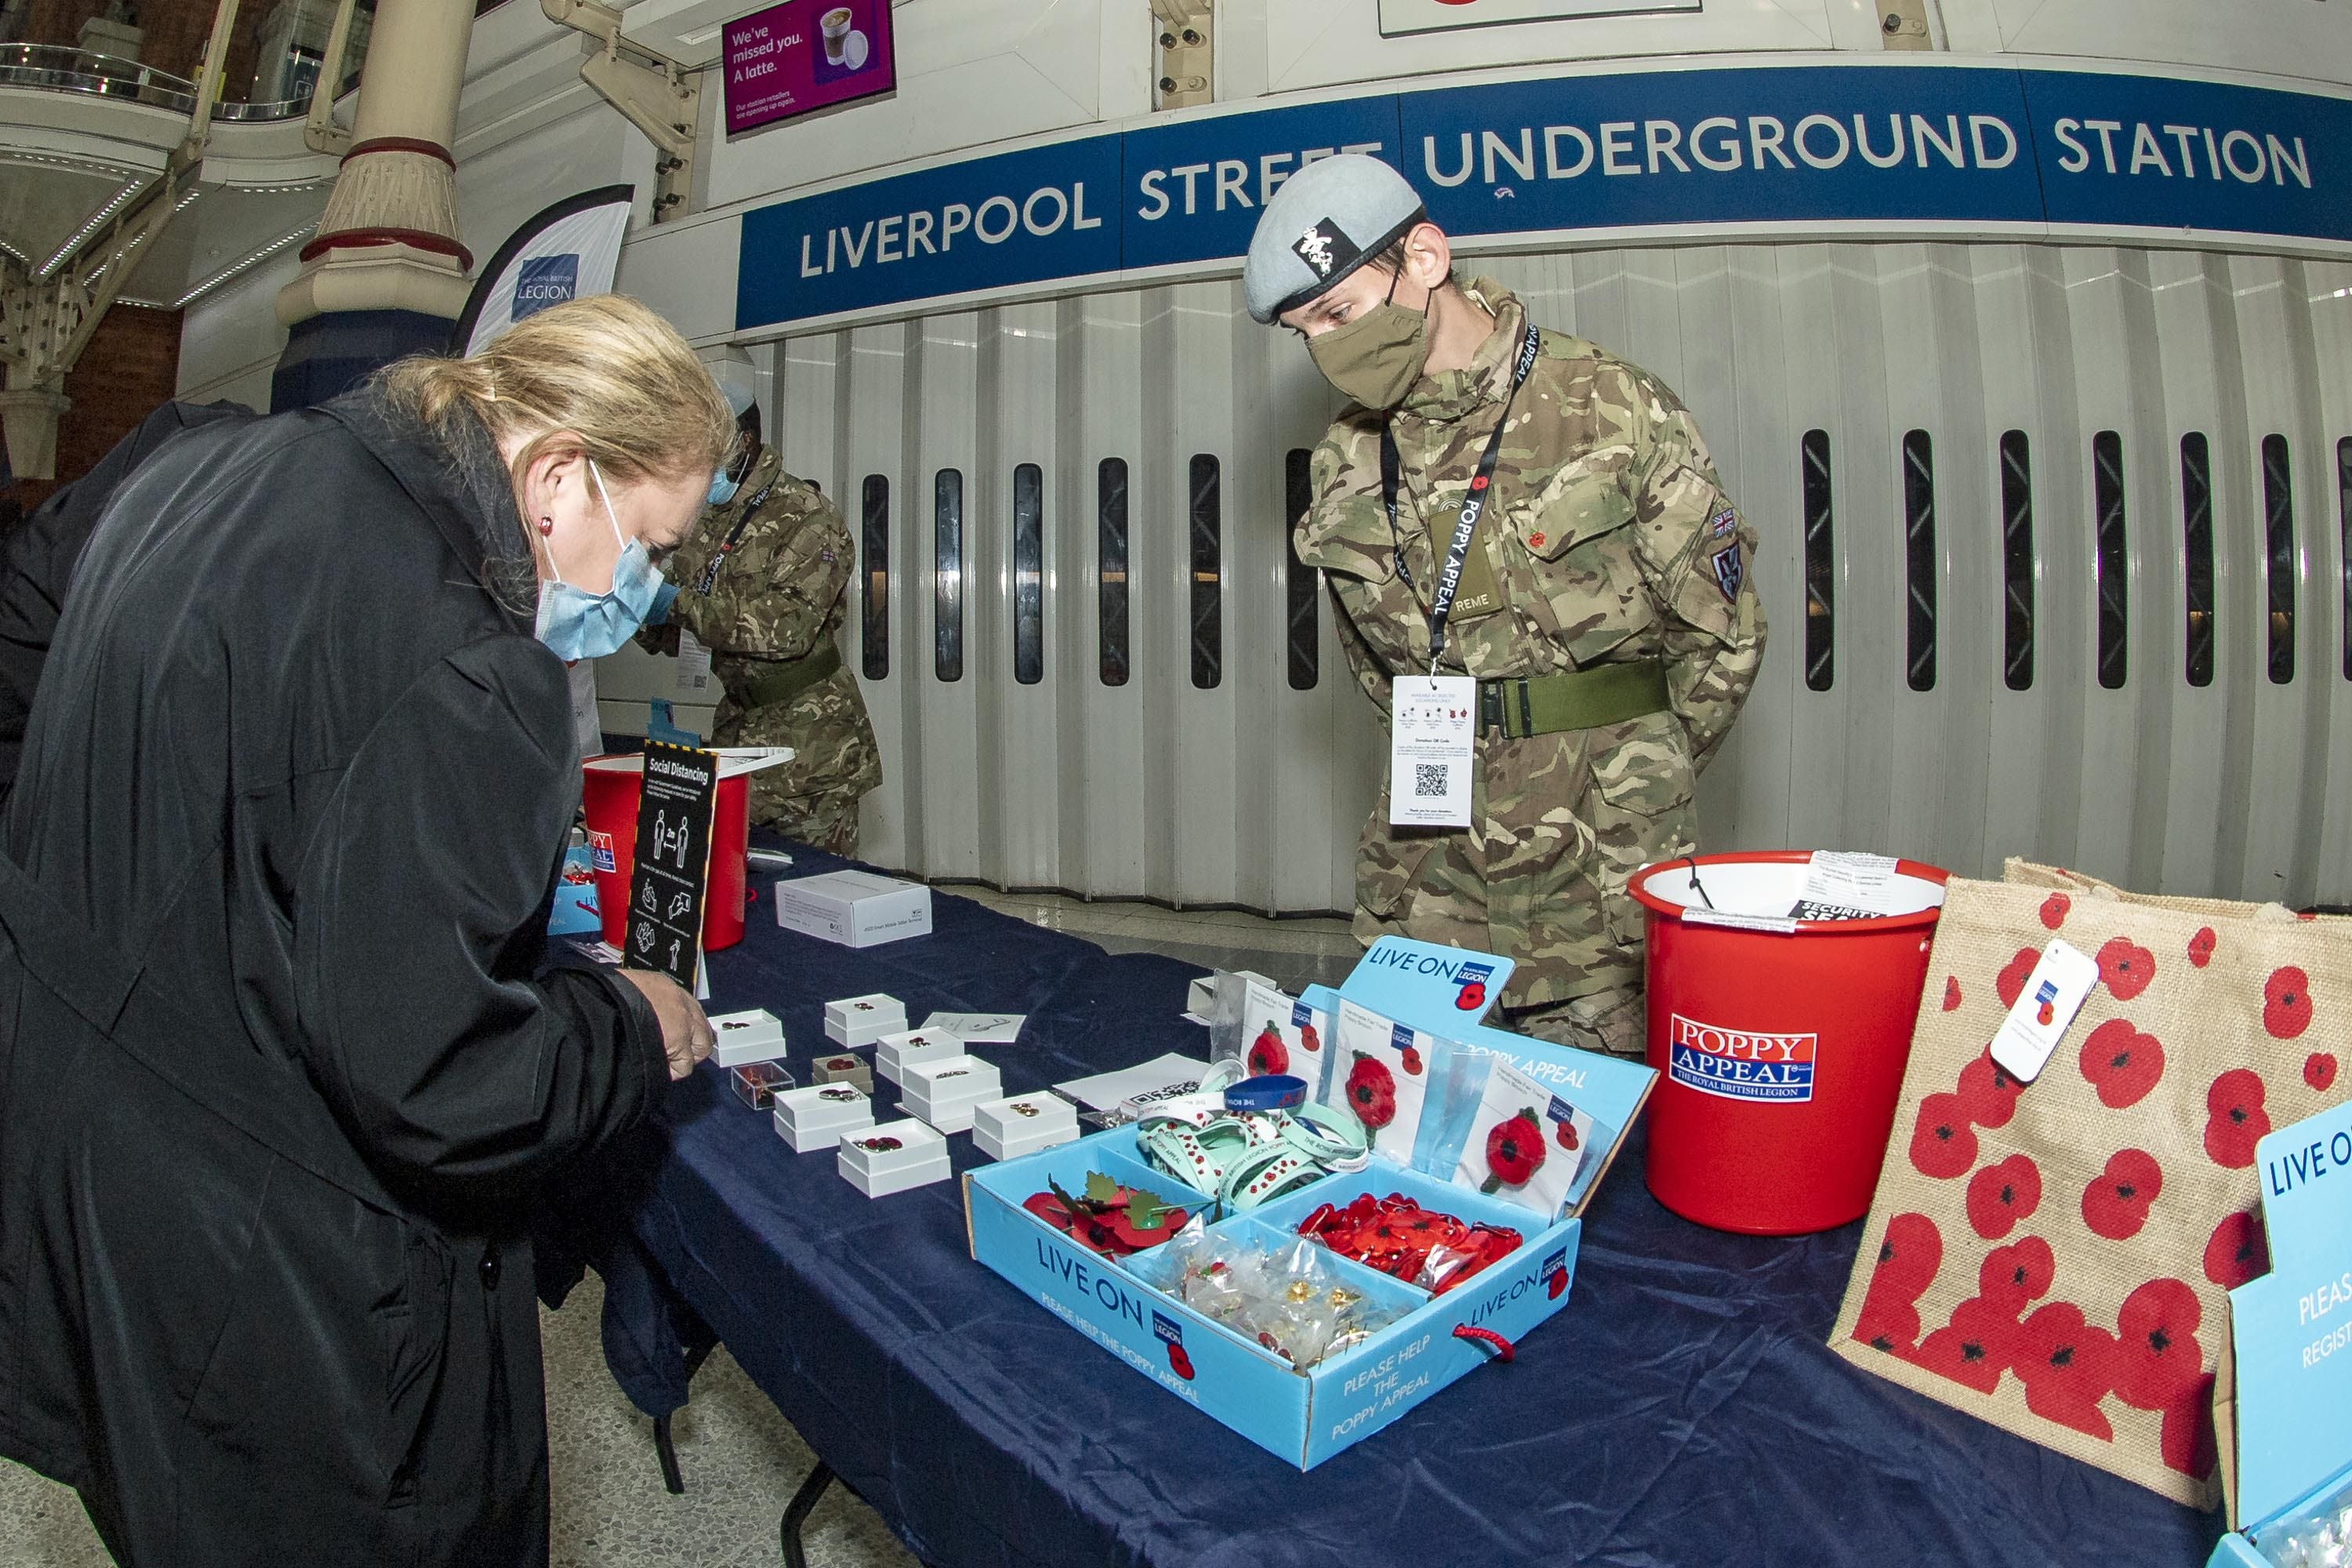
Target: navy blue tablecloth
(1682, 1412)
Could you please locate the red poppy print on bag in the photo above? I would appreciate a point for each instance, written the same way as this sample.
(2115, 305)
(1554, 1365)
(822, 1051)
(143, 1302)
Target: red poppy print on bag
(2121, 1063)
(1943, 1144)
(2126, 968)
(1988, 1095)
(2235, 1120)
(2287, 1004)
(2011, 982)
(2067, 1365)
(1978, 1344)
(2116, 1205)
(2201, 946)
(1908, 1257)
(2238, 1251)
(2014, 1275)
(2054, 909)
(2003, 1197)
(2319, 1070)
(1951, 993)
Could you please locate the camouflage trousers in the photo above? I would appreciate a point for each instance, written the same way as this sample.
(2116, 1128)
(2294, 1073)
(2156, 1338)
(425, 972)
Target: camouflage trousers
(814, 797)
(1562, 823)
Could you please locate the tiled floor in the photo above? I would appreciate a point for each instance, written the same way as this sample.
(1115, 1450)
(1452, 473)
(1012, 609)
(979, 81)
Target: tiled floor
(742, 1460)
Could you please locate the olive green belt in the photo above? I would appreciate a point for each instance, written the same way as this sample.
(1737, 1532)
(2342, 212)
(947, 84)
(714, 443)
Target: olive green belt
(782, 681)
(1572, 699)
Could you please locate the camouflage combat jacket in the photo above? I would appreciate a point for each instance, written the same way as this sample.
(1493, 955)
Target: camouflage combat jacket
(1608, 538)
(779, 595)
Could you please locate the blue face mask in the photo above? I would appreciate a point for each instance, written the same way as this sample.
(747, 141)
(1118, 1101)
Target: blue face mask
(722, 488)
(576, 624)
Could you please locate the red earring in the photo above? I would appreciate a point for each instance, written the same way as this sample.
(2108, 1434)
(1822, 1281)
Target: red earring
(546, 525)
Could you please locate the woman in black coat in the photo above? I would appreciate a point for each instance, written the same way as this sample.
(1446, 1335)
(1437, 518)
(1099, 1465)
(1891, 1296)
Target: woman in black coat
(279, 1068)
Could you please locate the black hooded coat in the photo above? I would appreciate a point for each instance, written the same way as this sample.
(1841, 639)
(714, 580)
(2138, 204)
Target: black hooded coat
(281, 1072)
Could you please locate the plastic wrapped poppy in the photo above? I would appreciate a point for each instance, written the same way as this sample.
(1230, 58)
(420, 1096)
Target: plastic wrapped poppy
(1515, 1152)
(1371, 1092)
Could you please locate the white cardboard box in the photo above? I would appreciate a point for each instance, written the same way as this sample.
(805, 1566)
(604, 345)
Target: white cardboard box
(893, 1157)
(1023, 1124)
(946, 1092)
(821, 1116)
(862, 1020)
(856, 909)
(739, 1039)
(894, 1054)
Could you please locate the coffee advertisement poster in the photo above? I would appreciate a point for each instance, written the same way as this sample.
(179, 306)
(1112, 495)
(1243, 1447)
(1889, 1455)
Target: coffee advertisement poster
(805, 55)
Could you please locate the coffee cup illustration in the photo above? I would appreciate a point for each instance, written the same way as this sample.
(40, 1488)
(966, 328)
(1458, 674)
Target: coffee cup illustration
(836, 27)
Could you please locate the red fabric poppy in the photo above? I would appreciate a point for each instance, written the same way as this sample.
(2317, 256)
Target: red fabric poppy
(1943, 1144)
(2238, 1250)
(2235, 1120)
(1987, 1094)
(1267, 1054)
(2067, 1366)
(2127, 967)
(2116, 1202)
(2121, 1063)
(2287, 1003)
(2003, 1195)
(1515, 1151)
(1371, 1092)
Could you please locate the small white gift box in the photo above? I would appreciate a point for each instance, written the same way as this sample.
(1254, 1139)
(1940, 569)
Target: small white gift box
(862, 1020)
(946, 1092)
(893, 1157)
(895, 1053)
(1023, 1124)
(739, 1038)
(821, 1116)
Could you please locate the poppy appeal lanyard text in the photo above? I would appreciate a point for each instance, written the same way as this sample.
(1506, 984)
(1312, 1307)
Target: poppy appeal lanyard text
(1449, 577)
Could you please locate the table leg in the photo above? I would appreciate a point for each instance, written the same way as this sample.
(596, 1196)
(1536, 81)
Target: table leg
(663, 1449)
(796, 1514)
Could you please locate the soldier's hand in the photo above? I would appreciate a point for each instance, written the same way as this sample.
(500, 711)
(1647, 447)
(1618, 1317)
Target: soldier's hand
(687, 1034)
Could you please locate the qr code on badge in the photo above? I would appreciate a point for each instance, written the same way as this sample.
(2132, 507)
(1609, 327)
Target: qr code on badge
(1428, 781)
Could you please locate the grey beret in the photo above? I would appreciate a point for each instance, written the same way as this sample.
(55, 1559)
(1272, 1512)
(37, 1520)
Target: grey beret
(1327, 220)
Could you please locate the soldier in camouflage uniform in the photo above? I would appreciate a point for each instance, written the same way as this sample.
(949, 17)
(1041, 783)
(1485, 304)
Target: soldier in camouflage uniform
(763, 582)
(1606, 603)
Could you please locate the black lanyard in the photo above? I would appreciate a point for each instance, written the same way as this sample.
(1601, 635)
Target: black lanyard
(1449, 578)
(710, 577)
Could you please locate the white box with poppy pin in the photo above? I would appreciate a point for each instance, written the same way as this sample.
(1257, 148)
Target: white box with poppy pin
(843, 1067)
(894, 1157)
(739, 1039)
(862, 1020)
(895, 1053)
(821, 1116)
(946, 1092)
(1023, 1124)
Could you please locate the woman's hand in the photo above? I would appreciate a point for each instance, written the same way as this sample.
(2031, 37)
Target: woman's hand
(686, 1035)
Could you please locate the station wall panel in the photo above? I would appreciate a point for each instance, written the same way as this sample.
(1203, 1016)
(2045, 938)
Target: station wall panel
(1908, 369)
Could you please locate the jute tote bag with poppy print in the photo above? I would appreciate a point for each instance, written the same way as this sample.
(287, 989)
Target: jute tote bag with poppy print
(2052, 1257)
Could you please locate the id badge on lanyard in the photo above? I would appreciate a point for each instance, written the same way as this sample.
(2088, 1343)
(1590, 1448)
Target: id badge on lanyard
(1432, 733)
(1432, 718)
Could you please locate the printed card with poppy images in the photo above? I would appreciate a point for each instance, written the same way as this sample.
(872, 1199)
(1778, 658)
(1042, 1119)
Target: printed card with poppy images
(1381, 1072)
(1526, 1146)
(1282, 1035)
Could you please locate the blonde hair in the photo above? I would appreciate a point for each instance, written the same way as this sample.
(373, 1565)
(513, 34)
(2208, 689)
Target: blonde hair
(605, 369)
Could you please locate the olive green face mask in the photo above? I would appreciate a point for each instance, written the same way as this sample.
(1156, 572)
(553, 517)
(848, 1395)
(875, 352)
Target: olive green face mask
(1376, 358)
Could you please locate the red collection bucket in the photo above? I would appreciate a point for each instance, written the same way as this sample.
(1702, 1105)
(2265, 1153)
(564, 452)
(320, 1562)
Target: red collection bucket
(1779, 1055)
(609, 787)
